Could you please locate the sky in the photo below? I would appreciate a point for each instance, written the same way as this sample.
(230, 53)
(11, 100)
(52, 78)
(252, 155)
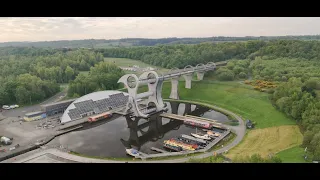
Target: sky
(72, 28)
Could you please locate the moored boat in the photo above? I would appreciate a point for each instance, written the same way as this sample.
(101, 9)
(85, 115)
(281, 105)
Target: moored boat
(200, 141)
(195, 123)
(213, 134)
(200, 136)
(184, 146)
(133, 152)
(172, 147)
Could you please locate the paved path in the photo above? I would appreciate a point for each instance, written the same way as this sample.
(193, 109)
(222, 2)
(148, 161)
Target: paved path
(40, 153)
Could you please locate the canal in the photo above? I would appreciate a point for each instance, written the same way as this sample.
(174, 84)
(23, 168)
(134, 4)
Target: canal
(111, 139)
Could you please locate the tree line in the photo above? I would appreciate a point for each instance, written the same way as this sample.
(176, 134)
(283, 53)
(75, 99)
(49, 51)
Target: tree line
(31, 75)
(103, 76)
(170, 56)
(96, 43)
(26, 88)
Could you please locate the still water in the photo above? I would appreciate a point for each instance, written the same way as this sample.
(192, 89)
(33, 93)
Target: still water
(111, 139)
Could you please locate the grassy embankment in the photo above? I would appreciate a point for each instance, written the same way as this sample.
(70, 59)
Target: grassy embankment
(292, 155)
(268, 141)
(274, 131)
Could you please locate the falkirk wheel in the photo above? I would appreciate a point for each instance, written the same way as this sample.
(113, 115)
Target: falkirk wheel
(154, 82)
(154, 102)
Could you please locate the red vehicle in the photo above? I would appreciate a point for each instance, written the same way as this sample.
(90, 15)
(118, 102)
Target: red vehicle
(99, 117)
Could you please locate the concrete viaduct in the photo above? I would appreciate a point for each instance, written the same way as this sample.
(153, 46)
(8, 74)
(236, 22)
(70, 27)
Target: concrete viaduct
(154, 81)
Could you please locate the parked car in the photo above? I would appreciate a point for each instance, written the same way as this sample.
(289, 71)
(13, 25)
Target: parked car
(14, 106)
(6, 107)
(5, 140)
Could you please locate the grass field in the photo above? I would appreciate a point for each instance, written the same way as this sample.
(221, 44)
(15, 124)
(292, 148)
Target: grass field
(268, 140)
(84, 72)
(124, 62)
(292, 155)
(240, 99)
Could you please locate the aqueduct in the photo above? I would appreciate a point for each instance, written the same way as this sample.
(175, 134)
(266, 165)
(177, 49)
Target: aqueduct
(154, 81)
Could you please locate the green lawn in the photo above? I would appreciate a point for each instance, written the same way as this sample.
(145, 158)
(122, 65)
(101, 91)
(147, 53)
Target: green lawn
(267, 141)
(236, 97)
(84, 72)
(292, 155)
(124, 62)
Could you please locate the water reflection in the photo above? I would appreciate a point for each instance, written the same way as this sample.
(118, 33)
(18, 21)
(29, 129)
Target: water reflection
(111, 139)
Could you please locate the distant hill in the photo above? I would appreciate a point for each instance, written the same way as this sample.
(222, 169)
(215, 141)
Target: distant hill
(103, 43)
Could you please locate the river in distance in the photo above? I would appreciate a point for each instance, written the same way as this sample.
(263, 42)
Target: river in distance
(112, 138)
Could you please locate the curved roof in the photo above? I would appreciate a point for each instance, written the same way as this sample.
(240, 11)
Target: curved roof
(92, 96)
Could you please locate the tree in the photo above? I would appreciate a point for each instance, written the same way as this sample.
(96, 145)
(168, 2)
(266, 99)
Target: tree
(22, 95)
(242, 75)
(69, 73)
(103, 76)
(226, 76)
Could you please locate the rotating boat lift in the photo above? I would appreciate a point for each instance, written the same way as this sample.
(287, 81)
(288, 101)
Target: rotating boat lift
(154, 81)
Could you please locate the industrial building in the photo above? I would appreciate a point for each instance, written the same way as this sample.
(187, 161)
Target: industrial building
(56, 108)
(94, 103)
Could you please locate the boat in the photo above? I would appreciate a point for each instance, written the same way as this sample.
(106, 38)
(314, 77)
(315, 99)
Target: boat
(200, 136)
(133, 152)
(171, 147)
(186, 141)
(199, 141)
(213, 134)
(193, 122)
(184, 146)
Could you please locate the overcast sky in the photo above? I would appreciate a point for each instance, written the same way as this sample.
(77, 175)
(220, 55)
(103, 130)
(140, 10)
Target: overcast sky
(69, 28)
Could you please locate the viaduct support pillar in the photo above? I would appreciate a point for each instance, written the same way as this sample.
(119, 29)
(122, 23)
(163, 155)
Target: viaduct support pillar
(174, 88)
(200, 75)
(188, 78)
(174, 107)
(187, 109)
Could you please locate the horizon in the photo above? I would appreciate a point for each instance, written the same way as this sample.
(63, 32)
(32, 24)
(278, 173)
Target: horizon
(38, 29)
(151, 38)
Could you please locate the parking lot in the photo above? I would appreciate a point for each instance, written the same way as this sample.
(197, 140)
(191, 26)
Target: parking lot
(26, 133)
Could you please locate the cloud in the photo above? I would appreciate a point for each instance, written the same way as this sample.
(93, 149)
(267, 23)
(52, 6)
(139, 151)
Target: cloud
(68, 28)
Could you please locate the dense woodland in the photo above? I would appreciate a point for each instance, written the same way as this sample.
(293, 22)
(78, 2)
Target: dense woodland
(30, 75)
(103, 43)
(102, 76)
(182, 55)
